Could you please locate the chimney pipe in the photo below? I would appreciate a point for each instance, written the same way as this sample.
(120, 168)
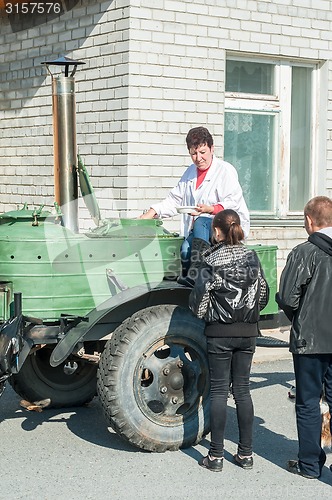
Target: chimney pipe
(64, 137)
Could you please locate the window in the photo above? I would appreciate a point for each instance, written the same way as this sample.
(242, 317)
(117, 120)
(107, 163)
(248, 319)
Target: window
(269, 132)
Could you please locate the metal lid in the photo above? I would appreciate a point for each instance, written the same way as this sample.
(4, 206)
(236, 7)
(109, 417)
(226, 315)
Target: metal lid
(64, 61)
(88, 192)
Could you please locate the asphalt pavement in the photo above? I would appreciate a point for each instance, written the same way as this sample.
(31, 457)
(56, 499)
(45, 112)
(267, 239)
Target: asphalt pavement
(72, 455)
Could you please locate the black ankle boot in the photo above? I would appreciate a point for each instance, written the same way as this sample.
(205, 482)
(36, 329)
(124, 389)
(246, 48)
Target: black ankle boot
(215, 465)
(198, 247)
(244, 462)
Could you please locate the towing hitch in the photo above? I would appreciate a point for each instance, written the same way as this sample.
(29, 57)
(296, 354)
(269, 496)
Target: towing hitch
(13, 347)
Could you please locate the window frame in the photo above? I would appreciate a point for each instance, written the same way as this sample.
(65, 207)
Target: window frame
(279, 104)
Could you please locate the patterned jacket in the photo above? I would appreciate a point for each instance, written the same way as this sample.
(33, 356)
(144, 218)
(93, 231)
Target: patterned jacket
(230, 291)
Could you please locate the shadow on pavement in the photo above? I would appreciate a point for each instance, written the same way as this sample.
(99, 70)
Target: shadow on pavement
(270, 445)
(86, 422)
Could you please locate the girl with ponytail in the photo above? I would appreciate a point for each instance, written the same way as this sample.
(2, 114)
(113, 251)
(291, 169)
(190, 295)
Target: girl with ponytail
(229, 291)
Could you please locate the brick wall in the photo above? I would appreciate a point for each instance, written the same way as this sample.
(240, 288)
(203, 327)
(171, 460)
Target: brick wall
(96, 33)
(154, 69)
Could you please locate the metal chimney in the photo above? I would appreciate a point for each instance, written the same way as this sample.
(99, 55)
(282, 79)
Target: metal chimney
(64, 134)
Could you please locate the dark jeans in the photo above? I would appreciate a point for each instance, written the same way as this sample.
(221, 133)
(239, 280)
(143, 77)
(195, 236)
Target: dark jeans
(201, 229)
(312, 372)
(230, 358)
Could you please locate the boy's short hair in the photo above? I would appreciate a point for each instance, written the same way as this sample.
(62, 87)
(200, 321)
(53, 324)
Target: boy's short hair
(320, 211)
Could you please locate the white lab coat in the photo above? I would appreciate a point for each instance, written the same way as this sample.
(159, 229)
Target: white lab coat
(221, 185)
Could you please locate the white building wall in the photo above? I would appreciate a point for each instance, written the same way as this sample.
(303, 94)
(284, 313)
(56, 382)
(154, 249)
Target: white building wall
(177, 57)
(154, 69)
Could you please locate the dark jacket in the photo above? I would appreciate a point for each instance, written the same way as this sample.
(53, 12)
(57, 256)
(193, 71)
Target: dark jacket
(305, 294)
(229, 292)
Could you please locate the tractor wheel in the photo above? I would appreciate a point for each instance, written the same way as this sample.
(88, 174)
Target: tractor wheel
(153, 380)
(72, 383)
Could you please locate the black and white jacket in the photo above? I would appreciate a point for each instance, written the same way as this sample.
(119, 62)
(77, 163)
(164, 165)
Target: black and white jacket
(230, 291)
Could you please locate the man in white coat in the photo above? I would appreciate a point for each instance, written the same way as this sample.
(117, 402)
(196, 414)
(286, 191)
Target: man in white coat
(208, 186)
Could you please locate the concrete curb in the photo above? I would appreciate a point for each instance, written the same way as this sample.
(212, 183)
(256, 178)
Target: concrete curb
(273, 353)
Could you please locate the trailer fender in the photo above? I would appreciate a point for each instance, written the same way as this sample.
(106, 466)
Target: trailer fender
(78, 332)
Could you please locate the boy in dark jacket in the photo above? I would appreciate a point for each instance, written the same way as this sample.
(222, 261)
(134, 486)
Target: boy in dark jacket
(305, 294)
(229, 292)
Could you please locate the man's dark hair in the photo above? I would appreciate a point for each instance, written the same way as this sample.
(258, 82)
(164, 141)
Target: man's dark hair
(197, 136)
(320, 211)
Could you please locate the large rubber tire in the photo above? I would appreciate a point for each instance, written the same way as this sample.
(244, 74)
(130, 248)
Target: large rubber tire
(69, 384)
(153, 380)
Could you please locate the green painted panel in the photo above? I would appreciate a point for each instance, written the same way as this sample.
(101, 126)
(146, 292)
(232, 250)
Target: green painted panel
(268, 257)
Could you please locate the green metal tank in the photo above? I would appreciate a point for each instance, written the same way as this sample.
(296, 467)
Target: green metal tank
(61, 272)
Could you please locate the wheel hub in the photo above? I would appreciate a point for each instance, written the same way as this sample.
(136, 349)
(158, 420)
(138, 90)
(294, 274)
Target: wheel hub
(176, 381)
(171, 382)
